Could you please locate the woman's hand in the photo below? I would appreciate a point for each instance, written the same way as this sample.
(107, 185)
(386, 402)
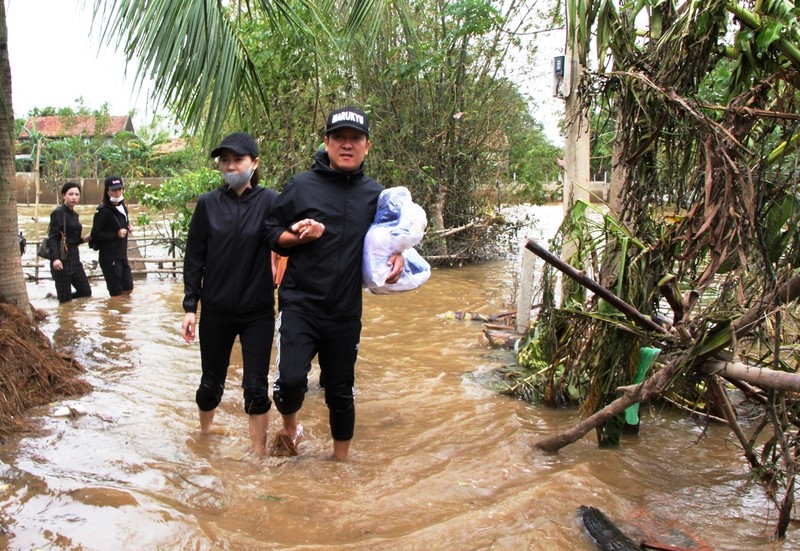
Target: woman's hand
(188, 326)
(58, 265)
(308, 230)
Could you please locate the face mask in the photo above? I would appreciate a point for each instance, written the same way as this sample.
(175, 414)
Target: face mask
(115, 200)
(235, 180)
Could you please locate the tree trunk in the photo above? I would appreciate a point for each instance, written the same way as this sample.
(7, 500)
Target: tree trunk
(760, 377)
(12, 280)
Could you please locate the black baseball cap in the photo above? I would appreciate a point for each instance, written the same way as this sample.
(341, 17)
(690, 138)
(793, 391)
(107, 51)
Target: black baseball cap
(347, 117)
(238, 142)
(114, 182)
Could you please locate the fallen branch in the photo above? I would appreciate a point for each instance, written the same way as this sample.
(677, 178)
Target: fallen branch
(569, 270)
(447, 232)
(761, 377)
(655, 386)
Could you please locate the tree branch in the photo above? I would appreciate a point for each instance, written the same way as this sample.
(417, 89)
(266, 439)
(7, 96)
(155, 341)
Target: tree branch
(656, 385)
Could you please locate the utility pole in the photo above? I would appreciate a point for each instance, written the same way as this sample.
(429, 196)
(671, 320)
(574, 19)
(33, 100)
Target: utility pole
(567, 72)
(578, 140)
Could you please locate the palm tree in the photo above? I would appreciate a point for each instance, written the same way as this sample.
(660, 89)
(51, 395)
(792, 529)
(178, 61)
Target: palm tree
(12, 281)
(200, 69)
(199, 65)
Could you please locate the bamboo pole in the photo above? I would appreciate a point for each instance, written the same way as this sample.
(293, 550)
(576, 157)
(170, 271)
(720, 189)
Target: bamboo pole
(629, 311)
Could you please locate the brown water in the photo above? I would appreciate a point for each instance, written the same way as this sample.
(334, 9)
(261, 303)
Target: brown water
(439, 460)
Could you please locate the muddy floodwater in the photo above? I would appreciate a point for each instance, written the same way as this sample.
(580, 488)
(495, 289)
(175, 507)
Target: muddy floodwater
(439, 460)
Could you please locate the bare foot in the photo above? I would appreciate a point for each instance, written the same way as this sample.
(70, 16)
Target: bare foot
(214, 431)
(284, 445)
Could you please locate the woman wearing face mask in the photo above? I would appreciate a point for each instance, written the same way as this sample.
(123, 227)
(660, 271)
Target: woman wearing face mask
(68, 273)
(110, 231)
(228, 272)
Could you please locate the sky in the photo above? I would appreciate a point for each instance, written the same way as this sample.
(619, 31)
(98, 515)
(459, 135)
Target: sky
(54, 61)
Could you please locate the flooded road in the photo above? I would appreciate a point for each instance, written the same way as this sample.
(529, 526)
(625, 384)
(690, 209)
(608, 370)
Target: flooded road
(439, 461)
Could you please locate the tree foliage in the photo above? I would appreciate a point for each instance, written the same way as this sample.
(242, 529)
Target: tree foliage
(430, 74)
(454, 128)
(702, 104)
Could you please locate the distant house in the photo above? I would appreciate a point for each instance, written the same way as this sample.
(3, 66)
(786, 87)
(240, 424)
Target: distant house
(87, 127)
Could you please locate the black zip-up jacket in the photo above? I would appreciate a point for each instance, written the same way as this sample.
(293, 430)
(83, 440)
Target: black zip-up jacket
(105, 231)
(61, 216)
(323, 277)
(227, 264)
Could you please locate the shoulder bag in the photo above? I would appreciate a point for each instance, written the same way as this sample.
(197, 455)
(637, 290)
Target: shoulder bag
(43, 250)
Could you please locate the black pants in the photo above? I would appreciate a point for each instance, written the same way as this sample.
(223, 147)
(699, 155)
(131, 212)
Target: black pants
(300, 338)
(72, 275)
(117, 274)
(217, 332)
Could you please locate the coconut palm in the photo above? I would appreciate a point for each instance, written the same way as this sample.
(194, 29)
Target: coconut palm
(12, 282)
(199, 64)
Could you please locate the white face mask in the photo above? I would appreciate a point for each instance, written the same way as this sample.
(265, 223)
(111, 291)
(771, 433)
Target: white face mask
(236, 180)
(116, 200)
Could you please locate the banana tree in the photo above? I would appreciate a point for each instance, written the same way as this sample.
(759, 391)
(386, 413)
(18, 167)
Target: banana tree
(704, 100)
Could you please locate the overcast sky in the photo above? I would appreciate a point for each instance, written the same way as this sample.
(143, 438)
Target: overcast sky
(54, 61)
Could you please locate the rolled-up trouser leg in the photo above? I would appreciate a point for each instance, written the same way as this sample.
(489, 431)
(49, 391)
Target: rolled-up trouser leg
(338, 351)
(297, 346)
(256, 337)
(216, 335)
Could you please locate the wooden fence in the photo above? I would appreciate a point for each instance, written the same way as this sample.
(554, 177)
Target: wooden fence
(142, 263)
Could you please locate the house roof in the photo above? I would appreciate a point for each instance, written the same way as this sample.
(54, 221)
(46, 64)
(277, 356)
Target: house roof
(86, 126)
(176, 144)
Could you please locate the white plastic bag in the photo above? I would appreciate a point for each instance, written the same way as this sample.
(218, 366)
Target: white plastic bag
(398, 226)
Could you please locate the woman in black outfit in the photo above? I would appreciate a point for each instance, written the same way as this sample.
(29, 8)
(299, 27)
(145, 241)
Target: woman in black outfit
(68, 272)
(227, 272)
(110, 231)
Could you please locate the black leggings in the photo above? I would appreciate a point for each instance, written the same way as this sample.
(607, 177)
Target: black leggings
(217, 332)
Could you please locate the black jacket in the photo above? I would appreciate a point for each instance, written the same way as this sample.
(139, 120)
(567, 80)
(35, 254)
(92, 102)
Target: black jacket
(61, 216)
(227, 265)
(323, 277)
(108, 220)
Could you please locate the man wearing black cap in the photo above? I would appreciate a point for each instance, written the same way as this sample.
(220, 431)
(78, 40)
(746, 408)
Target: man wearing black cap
(319, 221)
(110, 231)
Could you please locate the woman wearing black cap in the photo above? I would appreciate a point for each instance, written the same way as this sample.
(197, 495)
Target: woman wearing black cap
(64, 223)
(227, 269)
(110, 231)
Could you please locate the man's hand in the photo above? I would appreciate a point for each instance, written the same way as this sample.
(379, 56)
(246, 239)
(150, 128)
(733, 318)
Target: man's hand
(301, 232)
(397, 261)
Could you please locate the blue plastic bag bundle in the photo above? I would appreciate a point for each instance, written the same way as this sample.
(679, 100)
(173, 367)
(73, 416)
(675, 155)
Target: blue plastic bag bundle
(399, 225)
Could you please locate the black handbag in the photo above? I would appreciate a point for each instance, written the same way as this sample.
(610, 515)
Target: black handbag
(44, 249)
(44, 246)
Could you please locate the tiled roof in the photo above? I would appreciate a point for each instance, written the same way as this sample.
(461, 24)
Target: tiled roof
(61, 127)
(176, 144)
